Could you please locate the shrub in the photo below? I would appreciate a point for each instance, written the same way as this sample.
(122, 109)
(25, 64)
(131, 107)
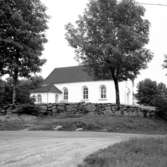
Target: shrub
(28, 109)
(161, 104)
(146, 91)
(153, 94)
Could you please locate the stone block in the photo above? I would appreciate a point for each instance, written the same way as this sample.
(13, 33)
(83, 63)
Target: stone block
(58, 127)
(61, 107)
(71, 108)
(90, 107)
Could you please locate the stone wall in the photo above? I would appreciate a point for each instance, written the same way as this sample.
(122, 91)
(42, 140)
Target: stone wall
(77, 109)
(83, 108)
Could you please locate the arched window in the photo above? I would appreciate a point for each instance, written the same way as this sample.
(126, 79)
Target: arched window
(85, 93)
(39, 98)
(65, 93)
(34, 98)
(103, 92)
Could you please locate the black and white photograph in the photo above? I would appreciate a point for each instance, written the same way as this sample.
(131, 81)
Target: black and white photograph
(83, 83)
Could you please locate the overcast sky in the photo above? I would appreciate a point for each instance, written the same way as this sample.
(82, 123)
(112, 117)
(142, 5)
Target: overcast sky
(59, 54)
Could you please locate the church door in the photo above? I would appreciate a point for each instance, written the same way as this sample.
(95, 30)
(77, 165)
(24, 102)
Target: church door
(56, 98)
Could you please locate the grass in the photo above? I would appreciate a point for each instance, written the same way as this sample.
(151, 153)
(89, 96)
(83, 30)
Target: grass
(133, 153)
(14, 122)
(105, 123)
(89, 122)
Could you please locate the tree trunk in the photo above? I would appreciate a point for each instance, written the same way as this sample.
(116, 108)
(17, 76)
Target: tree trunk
(117, 93)
(14, 94)
(14, 89)
(133, 98)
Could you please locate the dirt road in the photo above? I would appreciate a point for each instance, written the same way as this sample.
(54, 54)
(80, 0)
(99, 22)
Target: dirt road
(52, 149)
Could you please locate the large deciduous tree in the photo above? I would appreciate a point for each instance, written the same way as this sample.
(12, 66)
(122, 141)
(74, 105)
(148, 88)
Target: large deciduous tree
(109, 38)
(22, 27)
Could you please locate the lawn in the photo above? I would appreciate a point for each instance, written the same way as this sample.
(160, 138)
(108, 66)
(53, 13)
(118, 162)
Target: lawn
(134, 153)
(89, 122)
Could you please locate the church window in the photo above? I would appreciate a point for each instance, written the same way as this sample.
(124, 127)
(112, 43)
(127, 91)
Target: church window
(85, 93)
(103, 92)
(65, 94)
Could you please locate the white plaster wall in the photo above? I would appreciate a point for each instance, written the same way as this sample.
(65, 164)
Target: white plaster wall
(76, 91)
(46, 97)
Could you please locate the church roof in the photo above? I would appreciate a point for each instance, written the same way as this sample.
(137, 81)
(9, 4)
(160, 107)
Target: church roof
(47, 89)
(69, 75)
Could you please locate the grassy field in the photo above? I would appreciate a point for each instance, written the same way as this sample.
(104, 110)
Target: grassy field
(87, 123)
(133, 153)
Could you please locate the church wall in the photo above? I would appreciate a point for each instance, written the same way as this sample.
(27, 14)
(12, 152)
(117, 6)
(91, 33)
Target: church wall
(45, 97)
(75, 92)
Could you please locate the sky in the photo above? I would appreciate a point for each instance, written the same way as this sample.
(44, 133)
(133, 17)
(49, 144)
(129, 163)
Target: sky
(59, 54)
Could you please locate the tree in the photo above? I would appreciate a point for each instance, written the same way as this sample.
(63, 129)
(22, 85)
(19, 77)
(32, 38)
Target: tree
(2, 91)
(22, 27)
(153, 94)
(24, 88)
(164, 65)
(146, 92)
(162, 89)
(36, 82)
(5, 92)
(109, 38)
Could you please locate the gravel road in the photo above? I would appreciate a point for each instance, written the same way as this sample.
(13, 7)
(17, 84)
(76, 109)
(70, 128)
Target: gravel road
(53, 149)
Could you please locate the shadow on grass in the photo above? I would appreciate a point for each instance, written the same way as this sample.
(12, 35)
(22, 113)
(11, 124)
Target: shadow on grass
(134, 153)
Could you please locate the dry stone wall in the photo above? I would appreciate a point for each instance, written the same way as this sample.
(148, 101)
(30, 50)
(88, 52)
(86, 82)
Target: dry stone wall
(77, 109)
(84, 108)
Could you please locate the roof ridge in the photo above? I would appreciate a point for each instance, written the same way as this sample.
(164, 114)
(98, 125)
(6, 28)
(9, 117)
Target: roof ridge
(70, 66)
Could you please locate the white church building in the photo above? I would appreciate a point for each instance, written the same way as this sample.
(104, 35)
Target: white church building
(75, 84)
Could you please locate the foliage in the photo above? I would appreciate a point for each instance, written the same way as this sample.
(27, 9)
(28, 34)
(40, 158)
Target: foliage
(23, 88)
(2, 91)
(146, 92)
(109, 38)
(134, 153)
(151, 93)
(28, 109)
(165, 62)
(23, 24)
(161, 104)
(5, 93)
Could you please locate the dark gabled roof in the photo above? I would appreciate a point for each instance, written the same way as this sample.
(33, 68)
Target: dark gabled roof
(47, 89)
(69, 75)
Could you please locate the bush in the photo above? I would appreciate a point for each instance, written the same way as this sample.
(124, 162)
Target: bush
(153, 94)
(149, 92)
(146, 91)
(28, 109)
(161, 104)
